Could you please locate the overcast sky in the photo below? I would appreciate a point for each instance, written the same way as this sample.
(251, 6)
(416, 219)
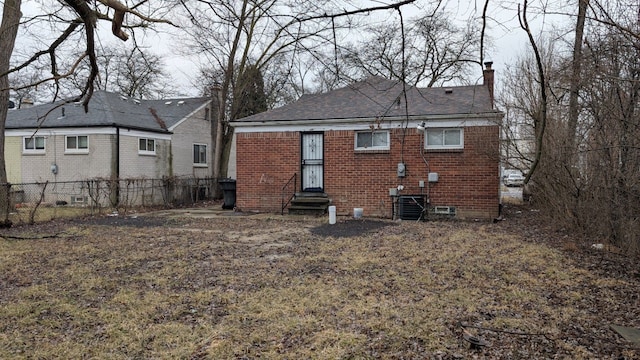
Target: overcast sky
(508, 40)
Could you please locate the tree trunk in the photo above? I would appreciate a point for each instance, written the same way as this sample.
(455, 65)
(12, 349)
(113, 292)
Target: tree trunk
(223, 94)
(217, 130)
(576, 69)
(9, 30)
(540, 120)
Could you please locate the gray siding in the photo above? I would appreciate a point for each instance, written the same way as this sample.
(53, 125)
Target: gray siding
(194, 130)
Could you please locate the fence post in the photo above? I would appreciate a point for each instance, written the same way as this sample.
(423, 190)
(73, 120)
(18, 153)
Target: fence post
(32, 213)
(169, 189)
(114, 190)
(5, 205)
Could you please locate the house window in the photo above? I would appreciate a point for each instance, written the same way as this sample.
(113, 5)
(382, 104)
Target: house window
(444, 139)
(146, 146)
(372, 140)
(34, 144)
(77, 144)
(199, 154)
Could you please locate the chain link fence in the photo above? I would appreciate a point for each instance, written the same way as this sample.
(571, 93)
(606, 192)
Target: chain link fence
(34, 202)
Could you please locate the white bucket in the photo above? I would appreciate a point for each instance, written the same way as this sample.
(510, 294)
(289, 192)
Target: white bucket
(357, 213)
(332, 215)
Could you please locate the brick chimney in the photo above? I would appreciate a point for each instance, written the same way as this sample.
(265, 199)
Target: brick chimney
(487, 75)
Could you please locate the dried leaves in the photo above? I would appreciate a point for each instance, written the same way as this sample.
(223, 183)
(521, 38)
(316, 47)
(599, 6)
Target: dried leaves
(281, 287)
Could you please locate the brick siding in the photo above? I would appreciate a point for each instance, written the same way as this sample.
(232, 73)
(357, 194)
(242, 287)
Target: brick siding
(468, 178)
(265, 162)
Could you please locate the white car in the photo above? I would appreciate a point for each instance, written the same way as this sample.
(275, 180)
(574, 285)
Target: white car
(514, 180)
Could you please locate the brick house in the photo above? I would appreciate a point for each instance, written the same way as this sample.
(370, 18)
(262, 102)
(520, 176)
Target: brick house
(378, 145)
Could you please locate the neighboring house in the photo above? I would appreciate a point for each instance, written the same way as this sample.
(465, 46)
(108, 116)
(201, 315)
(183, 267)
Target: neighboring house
(371, 145)
(118, 138)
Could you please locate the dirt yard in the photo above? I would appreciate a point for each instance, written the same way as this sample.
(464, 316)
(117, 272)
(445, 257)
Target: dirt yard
(197, 285)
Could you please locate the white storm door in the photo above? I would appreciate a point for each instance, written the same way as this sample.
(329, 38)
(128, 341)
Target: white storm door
(312, 162)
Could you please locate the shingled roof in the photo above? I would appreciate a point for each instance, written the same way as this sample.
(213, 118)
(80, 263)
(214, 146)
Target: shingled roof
(378, 97)
(107, 109)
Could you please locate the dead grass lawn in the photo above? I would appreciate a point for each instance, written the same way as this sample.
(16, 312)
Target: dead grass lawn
(280, 288)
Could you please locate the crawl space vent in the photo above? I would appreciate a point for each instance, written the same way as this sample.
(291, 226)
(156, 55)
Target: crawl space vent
(444, 210)
(410, 207)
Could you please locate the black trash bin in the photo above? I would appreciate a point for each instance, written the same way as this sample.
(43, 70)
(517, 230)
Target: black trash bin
(228, 187)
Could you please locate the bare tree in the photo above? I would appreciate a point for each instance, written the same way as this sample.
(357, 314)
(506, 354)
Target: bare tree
(583, 109)
(576, 68)
(74, 16)
(540, 117)
(133, 72)
(249, 98)
(519, 96)
(434, 51)
(8, 32)
(611, 131)
(24, 92)
(235, 34)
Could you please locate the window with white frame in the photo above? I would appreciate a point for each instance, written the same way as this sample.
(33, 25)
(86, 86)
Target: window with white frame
(33, 144)
(438, 138)
(77, 144)
(372, 140)
(199, 154)
(146, 146)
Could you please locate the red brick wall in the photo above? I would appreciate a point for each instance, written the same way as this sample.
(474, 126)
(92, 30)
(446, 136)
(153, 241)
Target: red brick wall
(265, 162)
(468, 178)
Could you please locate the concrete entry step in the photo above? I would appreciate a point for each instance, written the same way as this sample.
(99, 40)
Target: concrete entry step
(309, 203)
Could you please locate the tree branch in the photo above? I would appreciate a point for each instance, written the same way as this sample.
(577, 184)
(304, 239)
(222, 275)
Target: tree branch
(56, 77)
(358, 11)
(541, 121)
(51, 50)
(118, 17)
(484, 27)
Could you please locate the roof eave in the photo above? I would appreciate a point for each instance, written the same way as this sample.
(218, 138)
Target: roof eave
(191, 114)
(112, 125)
(427, 117)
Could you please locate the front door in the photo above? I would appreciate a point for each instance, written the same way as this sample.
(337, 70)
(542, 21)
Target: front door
(312, 162)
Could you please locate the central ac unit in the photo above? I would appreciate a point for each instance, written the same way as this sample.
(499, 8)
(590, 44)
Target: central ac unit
(411, 207)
